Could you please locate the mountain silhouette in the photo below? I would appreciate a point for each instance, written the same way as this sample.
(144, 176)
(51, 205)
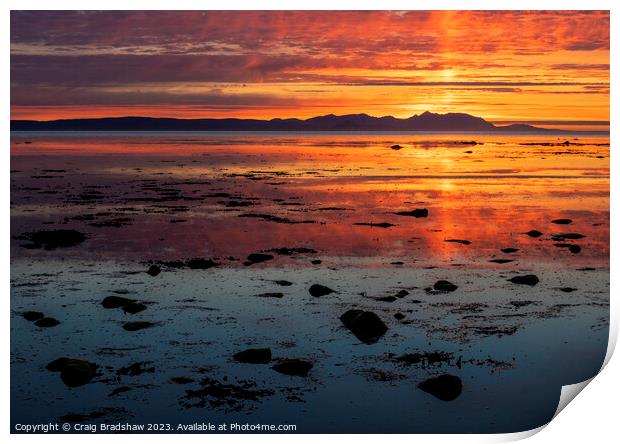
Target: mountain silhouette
(427, 121)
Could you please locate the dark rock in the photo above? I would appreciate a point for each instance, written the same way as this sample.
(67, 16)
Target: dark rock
(138, 325)
(401, 294)
(257, 258)
(116, 302)
(444, 387)
(134, 307)
(318, 290)
(528, 279)
(458, 241)
(153, 270)
(418, 212)
(574, 249)
(73, 372)
(567, 289)
(509, 250)
(293, 367)
(399, 316)
(372, 224)
(565, 236)
(270, 295)
(519, 304)
(253, 356)
(316, 261)
(47, 322)
(501, 261)
(32, 315)
(562, 221)
(534, 233)
(53, 239)
(182, 380)
(446, 286)
(283, 283)
(396, 147)
(365, 325)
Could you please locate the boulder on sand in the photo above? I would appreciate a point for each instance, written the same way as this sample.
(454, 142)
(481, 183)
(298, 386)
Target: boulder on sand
(365, 325)
(138, 325)
(528, 279)
(253, 356)
(73, 372)
(293, 367)
(32, 315)
(445, 286)
(153, 270)
(257, 258)
(318, 290)
(116, 302)
(47, 322)
(445, 387)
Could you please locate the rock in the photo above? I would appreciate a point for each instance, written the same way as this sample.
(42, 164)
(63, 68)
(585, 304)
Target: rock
(200, 264)
(501, 261)
(574, 249)
(138, 325)
(401, 294)
(534, 233)
(458, 241)
(47, 322)
(509, 250)
(528, 279)
(396, 147)
(519, 304)
(283, 283)
(444, 387)
(565, 236)
(53, 239)
(567, 289)
(153, 270)
(270, 295)
(182, 380)
(418, 212)
(562, 221)
(399, 316)
(73, 372)
(316, 261)
(257, 258)
(134, 307)
(365, 325)
(32, 315)
(116, 302)
(253, 356)
(293, 367)
(372, 224)
(445, 286)
(318, 290)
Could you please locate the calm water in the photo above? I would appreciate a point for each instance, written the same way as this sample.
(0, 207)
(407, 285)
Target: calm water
(141, 199)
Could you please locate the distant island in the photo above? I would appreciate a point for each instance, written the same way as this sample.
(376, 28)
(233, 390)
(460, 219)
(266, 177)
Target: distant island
(427, 121)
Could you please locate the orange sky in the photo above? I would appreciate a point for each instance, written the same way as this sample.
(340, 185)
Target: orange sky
(550, 67)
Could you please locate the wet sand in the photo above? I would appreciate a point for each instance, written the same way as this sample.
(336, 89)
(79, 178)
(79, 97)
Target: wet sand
(217, 240)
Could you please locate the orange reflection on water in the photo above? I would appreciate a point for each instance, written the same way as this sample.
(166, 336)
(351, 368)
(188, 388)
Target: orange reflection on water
(489, 193)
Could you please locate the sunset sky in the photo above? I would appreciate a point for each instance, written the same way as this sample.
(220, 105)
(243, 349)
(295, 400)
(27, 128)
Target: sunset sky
(549, 68)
